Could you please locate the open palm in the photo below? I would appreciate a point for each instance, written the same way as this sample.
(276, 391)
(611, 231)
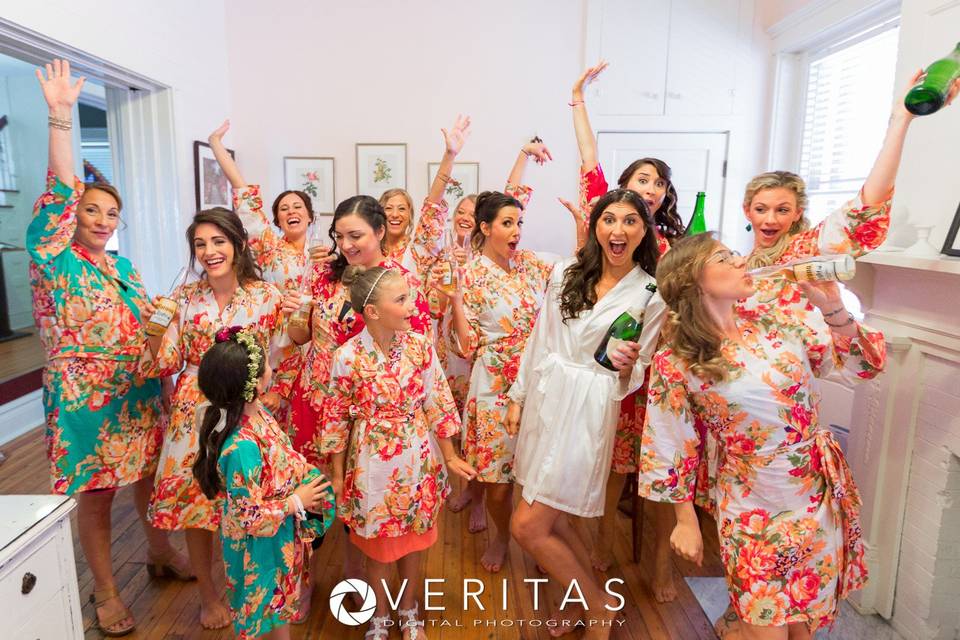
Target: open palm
(457, 136)
(57, 90)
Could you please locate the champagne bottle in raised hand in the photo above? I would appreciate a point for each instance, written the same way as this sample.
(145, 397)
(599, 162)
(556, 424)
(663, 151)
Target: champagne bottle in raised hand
(928, 95)
(698, 222)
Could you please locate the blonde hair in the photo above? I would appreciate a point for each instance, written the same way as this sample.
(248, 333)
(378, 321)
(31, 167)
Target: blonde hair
(772, 180)
(364, 284)
(389, 193)
(690, 330)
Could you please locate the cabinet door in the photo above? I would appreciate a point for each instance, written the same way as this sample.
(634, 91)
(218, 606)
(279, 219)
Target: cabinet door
(632, 35)
(704, 53)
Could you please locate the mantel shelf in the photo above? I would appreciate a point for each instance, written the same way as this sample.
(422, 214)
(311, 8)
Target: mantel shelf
(941, 264)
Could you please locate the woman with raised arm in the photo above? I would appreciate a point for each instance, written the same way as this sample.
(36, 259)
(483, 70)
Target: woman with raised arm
(497, 300)
(230, 292)
(417, 250)
(650, 178)
(787, 508)
(103, 419)
(568, 402)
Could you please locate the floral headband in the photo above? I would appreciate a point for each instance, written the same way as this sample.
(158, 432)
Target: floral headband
(254, 356)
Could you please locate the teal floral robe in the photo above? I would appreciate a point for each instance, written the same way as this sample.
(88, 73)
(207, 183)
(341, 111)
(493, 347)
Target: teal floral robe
(103, 420)
(263, 548)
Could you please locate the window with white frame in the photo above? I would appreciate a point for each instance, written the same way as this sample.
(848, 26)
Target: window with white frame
(849, 90)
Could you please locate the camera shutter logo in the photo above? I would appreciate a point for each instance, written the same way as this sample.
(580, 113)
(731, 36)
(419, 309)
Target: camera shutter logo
(338, 602)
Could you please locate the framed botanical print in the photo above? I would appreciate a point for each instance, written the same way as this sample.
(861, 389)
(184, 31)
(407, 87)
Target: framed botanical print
(464, 179)
(313, 176)
(381, 167)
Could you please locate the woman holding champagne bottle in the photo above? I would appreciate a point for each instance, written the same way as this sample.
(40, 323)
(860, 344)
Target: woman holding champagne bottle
(103, 419)
(563, 405)
(230, 292)
(650, 178)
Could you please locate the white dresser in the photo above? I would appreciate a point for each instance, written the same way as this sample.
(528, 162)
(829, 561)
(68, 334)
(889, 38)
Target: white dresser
(39, 599)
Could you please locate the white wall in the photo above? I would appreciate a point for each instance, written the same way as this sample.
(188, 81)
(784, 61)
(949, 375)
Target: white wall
(179, 43)
(317, 78)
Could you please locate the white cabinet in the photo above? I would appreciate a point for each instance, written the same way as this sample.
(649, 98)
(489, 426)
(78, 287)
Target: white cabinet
(668, 57)
(39, 598)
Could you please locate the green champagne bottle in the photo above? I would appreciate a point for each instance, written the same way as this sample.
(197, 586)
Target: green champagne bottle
(626, 328)
(928, 95)
(698, 223)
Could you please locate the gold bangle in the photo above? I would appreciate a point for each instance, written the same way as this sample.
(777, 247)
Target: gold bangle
(60, 123)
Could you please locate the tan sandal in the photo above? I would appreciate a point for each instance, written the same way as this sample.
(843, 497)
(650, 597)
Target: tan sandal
(163, 568)
(99, 598)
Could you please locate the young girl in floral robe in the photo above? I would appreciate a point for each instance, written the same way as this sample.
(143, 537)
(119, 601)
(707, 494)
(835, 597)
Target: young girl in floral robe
(267, 486)
(387, 417)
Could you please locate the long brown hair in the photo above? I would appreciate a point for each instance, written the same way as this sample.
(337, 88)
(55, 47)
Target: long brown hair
(222, 378)
(690, 330)
(488, 205)
(666, 218)
(580, 278)
(229, 223)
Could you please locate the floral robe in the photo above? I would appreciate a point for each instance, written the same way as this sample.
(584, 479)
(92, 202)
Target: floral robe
(501, 308)
(788, 509)
(417, 255)
(333, 322)
(389, 410)
(633, 408)
(103, 419)
(177, 501)
(282, 263)
(263, 547)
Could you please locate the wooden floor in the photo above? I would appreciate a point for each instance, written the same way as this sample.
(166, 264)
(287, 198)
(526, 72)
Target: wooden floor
(170, 609)
(20, 356)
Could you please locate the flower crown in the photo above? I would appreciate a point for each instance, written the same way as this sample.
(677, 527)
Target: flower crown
(254, 356)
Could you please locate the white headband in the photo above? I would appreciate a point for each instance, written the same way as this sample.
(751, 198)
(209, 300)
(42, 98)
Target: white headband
(370, 293)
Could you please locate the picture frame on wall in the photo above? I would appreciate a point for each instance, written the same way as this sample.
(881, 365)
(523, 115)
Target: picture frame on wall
(212, 189)
(951, 244)
(381, 167)
(464, 180)
(315, 177)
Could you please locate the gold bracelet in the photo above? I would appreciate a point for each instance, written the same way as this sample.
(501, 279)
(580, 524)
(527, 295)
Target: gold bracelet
(60, 123)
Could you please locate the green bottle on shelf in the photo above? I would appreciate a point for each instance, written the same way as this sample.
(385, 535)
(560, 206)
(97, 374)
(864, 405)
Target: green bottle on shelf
(626, 328)
(928, 95)
(698, 223)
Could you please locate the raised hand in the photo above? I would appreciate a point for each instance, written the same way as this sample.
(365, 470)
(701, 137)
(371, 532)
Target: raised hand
(588, 76)
(538, 150)
(57, 90)
(219, 132)
(457, 136)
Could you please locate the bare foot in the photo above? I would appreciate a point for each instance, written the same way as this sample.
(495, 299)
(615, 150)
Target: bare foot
(214, 615)
(492, 559)
(458, 504)
(112, 609)
(478, 517)
(565, 620)
(664, 590)
(600, 557)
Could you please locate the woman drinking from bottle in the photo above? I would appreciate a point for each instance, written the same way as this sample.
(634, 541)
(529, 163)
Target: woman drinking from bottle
(570, 403)
(103, 419)
(787, 509)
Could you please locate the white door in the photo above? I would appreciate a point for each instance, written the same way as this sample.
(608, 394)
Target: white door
(698, 162)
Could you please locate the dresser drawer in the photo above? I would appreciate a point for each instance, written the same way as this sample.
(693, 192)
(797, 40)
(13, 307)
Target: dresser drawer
(39, 574)
(50, 621)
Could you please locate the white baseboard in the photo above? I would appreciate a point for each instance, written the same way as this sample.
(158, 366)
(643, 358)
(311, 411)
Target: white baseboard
(21, 415)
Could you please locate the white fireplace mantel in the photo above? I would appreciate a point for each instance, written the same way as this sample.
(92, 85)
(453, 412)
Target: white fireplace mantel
(901, 463)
